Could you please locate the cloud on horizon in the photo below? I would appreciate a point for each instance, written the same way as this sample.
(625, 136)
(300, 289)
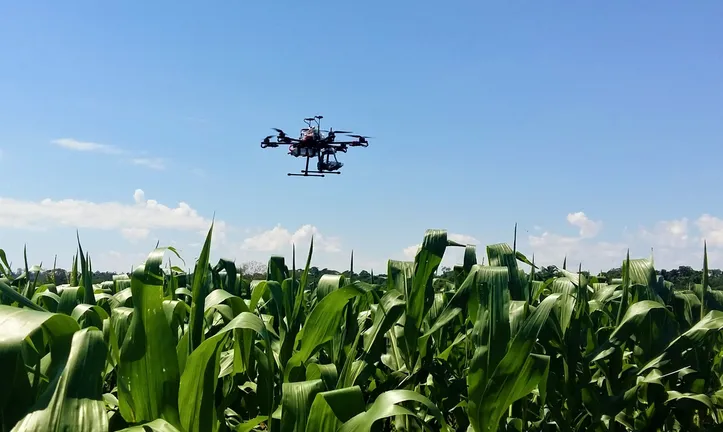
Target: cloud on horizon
(279, 239)
(141, 220)
(671, 243)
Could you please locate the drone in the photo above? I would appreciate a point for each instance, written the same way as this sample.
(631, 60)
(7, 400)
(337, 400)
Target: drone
(313, 142)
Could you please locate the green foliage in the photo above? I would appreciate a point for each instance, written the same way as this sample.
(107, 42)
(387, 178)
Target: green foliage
(474, 348)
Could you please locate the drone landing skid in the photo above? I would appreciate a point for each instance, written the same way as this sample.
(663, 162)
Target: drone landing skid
(313, 173)
(306, 173)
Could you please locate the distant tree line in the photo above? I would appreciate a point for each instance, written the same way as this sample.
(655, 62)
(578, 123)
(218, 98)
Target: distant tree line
(62, 276)
(684, 277)
(249, 271)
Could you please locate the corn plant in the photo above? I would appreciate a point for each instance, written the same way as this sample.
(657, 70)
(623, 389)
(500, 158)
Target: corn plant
(492, 348)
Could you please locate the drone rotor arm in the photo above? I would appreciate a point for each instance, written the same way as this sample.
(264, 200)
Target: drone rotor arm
(352, 143)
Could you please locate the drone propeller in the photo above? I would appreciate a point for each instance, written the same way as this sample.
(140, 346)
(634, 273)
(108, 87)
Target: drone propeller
(331, 131)
(266, 143)
(362, 140)
(282, 136)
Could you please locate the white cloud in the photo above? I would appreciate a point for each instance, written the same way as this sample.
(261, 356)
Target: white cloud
(671, 242)
(271, 240)
(411, 251)
(123, 262)
(139, 196)
(88, 146)
(588, 228)
(130, 219)
(668, 234)
(152, 163)
(138, 219)
(711, 229)
(553, 241)
(463, 239)
(551, 248)
(279, 239)
(73, 144)
(135, 234)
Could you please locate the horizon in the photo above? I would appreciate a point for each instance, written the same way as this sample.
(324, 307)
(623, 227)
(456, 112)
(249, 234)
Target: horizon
(446, 265)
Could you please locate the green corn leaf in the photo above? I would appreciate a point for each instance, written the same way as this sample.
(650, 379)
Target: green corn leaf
(325, 372)
(157, 425)
(328, 284)
(25, 332)
(323, 322)
(502, 254)
(86, 276)
(514, 377)
(148, 373)
(7, 291)
(89, 315)
(296, 404)
(331, 409)
(76, 403)
(199, 290)
(198, 382)
(420, 294)
(388, 404)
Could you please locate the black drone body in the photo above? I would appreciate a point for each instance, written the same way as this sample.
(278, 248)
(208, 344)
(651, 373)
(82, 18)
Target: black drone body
(313, 143)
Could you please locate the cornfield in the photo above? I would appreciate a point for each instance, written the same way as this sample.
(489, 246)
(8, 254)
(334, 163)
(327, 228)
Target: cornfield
(491, 349)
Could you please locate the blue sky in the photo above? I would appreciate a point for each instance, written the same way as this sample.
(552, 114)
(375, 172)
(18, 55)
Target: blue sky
(594, 126)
